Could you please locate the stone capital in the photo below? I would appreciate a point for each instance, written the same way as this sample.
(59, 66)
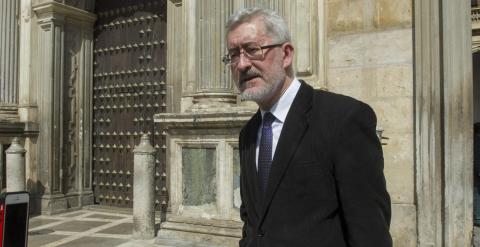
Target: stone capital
(144, 147)
(54, 11)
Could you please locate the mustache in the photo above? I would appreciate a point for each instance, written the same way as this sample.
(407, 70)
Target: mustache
(249, 74)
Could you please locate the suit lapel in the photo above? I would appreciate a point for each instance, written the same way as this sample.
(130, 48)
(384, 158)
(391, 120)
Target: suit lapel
(251, 162)
(292, 133)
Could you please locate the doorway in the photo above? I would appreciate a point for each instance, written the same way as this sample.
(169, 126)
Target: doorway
(128, 89)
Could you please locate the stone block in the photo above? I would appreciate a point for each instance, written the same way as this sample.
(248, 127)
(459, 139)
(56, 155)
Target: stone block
(393, 80)
(199, 233)
(400, 184)
(371, 48)
(403, 225)
(346, 50)
(369, 82)
(394, 114)
(388, 14)
(345, 16)
(398, 151)
(389, 47)
(352, 81)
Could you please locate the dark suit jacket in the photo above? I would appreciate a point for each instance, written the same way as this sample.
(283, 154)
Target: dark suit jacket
(326, 184)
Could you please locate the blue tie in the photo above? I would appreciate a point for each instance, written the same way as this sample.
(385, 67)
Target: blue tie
(265, 150)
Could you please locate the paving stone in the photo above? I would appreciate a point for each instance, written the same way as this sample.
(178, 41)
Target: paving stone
(36, 222)
(125, 228)
(95, 242)
(74, 214)
(37, 240)
(78, 226)
(106, 216)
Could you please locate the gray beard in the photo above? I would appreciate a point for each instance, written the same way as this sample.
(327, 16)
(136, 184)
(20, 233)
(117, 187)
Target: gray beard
(264, 93)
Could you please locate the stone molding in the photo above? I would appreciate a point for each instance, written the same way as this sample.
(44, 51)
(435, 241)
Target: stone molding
(174, 121)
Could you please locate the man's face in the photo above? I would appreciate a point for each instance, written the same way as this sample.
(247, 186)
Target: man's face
(257, 80)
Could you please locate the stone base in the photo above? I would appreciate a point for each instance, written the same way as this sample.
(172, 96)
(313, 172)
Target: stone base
(199, 233)
(60, 203)
(9, 113)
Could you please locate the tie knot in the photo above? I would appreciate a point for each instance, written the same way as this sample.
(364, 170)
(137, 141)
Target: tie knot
(268, 119)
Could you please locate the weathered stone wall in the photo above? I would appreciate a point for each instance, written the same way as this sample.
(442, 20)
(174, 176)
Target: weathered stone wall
(370, 57)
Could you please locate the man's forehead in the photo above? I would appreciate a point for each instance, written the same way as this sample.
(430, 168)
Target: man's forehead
(247, 32)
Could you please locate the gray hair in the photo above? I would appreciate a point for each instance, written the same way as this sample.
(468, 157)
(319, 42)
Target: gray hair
(275, 25)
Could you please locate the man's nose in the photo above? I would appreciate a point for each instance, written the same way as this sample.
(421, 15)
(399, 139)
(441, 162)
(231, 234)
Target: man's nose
(244, 63)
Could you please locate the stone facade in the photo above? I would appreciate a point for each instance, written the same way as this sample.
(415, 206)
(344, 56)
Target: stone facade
(370, 53)
(418, 81)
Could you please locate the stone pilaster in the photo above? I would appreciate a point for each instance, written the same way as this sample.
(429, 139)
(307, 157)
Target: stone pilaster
(427, 126)
(444, 121)
(458, 122)
(64, 74)
(176, 55)
(9, 11)
(50, 77)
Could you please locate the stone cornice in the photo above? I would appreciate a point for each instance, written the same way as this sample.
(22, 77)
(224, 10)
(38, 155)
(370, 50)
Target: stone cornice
(61, 11)
(203, 120)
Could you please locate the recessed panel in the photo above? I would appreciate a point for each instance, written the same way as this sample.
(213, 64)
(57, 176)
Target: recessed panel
(199, 176)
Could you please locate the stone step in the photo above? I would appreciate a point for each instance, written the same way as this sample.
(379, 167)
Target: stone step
(181, 234)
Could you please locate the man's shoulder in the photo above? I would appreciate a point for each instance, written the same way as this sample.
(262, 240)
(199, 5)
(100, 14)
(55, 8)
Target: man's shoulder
(334, 102)
(252, 123)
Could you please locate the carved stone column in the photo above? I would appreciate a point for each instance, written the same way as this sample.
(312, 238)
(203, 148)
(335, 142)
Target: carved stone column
(64, 74)
(9, 11)
(27, 102)
(214, 84)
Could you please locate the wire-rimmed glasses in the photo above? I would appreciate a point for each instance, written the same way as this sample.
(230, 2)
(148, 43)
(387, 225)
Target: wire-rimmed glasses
(252, 51)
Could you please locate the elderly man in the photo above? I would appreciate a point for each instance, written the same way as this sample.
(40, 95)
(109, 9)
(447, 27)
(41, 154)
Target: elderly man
(311, 163)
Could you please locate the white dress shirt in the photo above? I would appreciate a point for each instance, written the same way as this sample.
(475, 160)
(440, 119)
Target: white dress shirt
(279, 110)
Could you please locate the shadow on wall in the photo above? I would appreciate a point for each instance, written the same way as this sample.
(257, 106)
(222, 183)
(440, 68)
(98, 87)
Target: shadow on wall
(37, 190)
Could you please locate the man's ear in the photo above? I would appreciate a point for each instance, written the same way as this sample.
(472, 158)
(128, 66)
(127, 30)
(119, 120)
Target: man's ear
(288, 52)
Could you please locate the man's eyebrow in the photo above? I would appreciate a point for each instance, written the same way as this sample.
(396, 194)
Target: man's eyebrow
(244, 44)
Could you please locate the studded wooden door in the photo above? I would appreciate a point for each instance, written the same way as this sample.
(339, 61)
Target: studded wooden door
(129, 88)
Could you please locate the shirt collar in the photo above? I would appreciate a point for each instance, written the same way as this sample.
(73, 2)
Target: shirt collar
(282, 106)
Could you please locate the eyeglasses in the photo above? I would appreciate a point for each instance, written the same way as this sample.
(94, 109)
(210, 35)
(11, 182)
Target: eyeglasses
(251, 50)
